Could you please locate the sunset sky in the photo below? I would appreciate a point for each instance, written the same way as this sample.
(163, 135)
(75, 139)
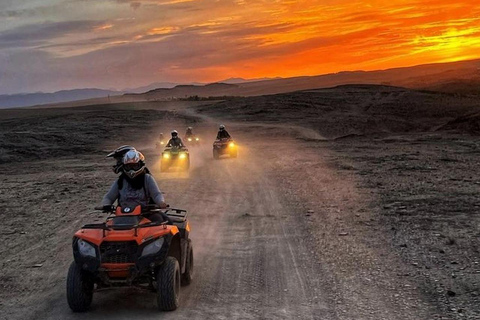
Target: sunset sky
(48, 45)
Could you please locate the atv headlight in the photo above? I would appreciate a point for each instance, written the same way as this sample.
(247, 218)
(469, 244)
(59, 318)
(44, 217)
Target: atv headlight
(196, 139)
(189, 139)
(86, 249)
(182, 155)
(231, 144)
(166, 155)
(153, 247)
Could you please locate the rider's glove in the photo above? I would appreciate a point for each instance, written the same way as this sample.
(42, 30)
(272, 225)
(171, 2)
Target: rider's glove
(163, 205)
(107, 208)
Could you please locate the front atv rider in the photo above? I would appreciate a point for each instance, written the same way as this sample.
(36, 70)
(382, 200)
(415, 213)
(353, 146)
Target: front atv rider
(175, 141)
(222, 133)
(135, 187)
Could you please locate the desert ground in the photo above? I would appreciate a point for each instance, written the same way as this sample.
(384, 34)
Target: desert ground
(356, 202)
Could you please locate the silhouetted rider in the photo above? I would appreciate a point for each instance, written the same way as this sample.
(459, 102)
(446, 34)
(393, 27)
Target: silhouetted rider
(222, 133)
(175, 141)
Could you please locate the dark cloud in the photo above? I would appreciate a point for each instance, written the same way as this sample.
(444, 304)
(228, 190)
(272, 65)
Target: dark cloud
(28, 12)
(37, 34)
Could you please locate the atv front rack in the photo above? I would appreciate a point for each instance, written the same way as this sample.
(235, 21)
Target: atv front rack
(104, 227)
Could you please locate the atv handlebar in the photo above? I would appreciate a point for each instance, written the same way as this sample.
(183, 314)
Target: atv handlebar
(147, 208)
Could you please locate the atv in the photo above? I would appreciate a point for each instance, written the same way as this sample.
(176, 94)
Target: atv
(130, 250)
(223, 147)
(174, 156)
(192, 139)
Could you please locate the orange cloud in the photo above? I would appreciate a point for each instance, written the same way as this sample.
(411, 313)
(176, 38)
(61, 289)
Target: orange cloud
(366, 35)
(288, 38)
(103, 27)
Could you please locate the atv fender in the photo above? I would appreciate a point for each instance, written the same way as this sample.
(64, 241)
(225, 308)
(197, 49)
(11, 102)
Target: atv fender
(178, 250)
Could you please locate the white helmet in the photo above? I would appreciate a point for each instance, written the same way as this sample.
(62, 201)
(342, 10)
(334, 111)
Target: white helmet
(222, 127)
(133, 163)
(174, 134)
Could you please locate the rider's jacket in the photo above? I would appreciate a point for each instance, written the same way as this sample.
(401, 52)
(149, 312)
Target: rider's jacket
(175, 142)
(131, 193)
(222, 134)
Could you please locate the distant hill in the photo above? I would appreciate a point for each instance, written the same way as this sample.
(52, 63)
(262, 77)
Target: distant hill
(465, 75)
(170, 85)
(30, 99)
(157, 85)
(461, 77)
(242, 80)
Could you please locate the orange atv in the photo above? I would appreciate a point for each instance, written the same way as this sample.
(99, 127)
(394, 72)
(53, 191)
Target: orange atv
(128, 249)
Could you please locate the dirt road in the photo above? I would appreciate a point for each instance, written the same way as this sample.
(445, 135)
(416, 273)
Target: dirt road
(278, 234)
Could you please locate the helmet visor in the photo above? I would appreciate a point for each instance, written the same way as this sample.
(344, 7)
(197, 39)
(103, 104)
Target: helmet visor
(132, 166)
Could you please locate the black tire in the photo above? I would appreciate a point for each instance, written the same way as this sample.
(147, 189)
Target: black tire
(215, 154)
(168, 285)
(79, 288)
(187, 276)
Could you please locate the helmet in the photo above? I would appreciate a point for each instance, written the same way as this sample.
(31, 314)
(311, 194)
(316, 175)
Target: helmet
(222, 127)
(133, 163)
(118, 154)
(174, 134)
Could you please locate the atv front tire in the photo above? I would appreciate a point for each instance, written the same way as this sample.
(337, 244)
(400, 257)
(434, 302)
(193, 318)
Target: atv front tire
(234, 154)
(79, 288)
(168, 285)
(188, 275)
(216, 156)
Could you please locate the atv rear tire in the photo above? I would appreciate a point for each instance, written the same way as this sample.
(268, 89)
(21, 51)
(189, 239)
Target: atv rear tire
(216, 156)
(188, 275)
(168, 285)
(79, 288)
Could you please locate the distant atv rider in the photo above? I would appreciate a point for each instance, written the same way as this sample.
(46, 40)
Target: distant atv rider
(175, 141)
(222, 133)
(189, 132)
(135, 187)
